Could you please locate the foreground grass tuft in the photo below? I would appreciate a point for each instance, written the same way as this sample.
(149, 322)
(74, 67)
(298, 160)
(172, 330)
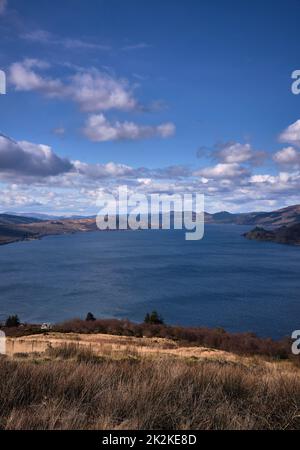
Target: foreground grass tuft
(71, 388)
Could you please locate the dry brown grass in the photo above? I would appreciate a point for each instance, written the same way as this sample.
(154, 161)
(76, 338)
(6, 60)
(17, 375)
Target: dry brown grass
(72, 388)
(212, 338)
(240, 343)
(111, 345)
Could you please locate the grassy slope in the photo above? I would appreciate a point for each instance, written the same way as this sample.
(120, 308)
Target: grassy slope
(72, 387)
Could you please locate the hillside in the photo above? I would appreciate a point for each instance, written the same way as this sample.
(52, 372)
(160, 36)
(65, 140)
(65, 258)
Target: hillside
(283, 235)
(68, 381)
(280, 217)
(11, 219)
(21, 229)
(17, 228)
(11, 233)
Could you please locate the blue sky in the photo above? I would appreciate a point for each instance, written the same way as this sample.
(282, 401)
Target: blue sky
(165, 96)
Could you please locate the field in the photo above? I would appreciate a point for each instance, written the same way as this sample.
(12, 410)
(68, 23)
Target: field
(101, 381)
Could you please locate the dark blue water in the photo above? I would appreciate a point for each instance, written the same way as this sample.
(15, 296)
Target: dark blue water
(223, 280)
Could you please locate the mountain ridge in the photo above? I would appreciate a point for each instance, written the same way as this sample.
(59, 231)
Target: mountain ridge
(15, 228)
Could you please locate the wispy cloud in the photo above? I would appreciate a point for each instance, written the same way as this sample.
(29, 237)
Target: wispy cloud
(46, 38)
(223, 171)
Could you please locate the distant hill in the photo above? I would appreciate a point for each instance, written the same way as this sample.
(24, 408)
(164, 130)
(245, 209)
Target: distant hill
(15, 228)
(31, 215)
(11, 228)
(280, 217)
(6, 219)
(27, 228)
(277, 218)
(42, 216)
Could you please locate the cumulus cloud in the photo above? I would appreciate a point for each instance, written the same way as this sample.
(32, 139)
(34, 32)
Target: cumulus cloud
(91, 90)
(23, 162)
(24, 78)
(3, 4)
(280, 185)
(234, 152)
(288, 156)
(98, 171)
(263, 178)
(33, 174)
(99, 129)
(291, 134)
(26, 159)
(222, 171)
(97, 91)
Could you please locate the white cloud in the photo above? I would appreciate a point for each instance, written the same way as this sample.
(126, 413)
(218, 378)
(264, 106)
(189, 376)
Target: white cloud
(234, 152)
(99, 129)
(97, 91)
(77, 191)
(222, 171)
(96, 171)
(33, 174)
(288, 156)
(291, 134)
(263, 178)
(24, 78)
(282, 185)
(92, 90)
